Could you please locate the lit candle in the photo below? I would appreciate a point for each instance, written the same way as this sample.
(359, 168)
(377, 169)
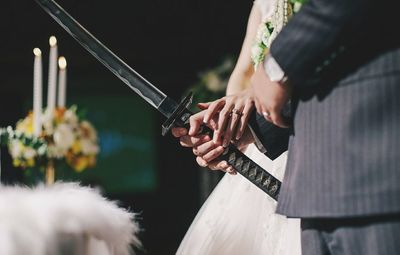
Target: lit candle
(37, 92)
(52, 83)
(62, 82)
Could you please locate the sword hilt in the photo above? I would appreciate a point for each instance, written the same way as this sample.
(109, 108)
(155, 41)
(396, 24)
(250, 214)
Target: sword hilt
(180, 116)
(239, 161)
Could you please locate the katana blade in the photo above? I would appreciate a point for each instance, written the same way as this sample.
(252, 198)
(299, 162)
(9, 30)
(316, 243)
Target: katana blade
(177, 114)
(117, 66)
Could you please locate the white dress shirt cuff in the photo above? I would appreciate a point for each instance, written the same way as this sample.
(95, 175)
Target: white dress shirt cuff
(273, 70)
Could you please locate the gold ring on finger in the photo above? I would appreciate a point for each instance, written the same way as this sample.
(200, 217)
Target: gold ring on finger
(236, 111)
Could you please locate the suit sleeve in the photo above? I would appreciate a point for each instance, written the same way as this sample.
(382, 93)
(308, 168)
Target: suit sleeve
(274, 140)
(314, 33)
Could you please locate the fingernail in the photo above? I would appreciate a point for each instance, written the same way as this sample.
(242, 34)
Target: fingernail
(238, 136)
(266, 114)
(226, 143)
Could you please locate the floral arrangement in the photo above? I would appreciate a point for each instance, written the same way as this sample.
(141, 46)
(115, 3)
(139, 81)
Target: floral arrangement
(53, 135)
(212, 83)
(268, 31)
(31, 146)
(65, 136)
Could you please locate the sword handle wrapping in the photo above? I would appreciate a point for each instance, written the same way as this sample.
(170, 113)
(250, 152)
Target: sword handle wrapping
(238, 160)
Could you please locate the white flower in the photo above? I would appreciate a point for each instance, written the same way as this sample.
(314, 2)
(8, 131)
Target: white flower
(64, 136)
(88, 147)
(70, 117)
(265, 37)
(256, 52)
(47, 120)
(260, 31)
(88, 131)
(29, 153)
(42, 150)
(16, 149)
(296, 7)
(19, 133)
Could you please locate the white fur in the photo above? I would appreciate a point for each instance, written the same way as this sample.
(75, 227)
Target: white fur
(34, 221)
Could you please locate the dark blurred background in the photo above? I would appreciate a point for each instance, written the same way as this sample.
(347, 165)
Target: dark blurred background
(169, 43)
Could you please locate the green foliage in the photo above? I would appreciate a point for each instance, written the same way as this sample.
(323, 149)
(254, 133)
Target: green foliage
(8, 134)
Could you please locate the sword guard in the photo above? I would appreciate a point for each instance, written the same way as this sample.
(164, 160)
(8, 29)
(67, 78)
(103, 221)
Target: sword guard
(180, 116)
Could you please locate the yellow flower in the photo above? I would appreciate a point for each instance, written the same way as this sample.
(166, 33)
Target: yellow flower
(16, 162)
(80, 164)
(76, 147)
(26, 125)
(30, 162)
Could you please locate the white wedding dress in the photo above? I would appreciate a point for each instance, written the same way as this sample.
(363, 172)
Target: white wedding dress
(238, 218)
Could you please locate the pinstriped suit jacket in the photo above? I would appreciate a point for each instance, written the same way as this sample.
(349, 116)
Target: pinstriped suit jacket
(343, 59)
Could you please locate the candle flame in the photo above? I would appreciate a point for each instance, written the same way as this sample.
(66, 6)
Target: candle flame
(37, 52)
(53, 41)
(62, 62)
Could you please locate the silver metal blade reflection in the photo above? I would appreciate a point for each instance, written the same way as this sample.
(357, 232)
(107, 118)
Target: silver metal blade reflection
(124, 72)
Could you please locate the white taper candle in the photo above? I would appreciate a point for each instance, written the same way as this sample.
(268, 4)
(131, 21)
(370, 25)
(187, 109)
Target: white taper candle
(37, 92)
(52, 82)
(62, 82)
